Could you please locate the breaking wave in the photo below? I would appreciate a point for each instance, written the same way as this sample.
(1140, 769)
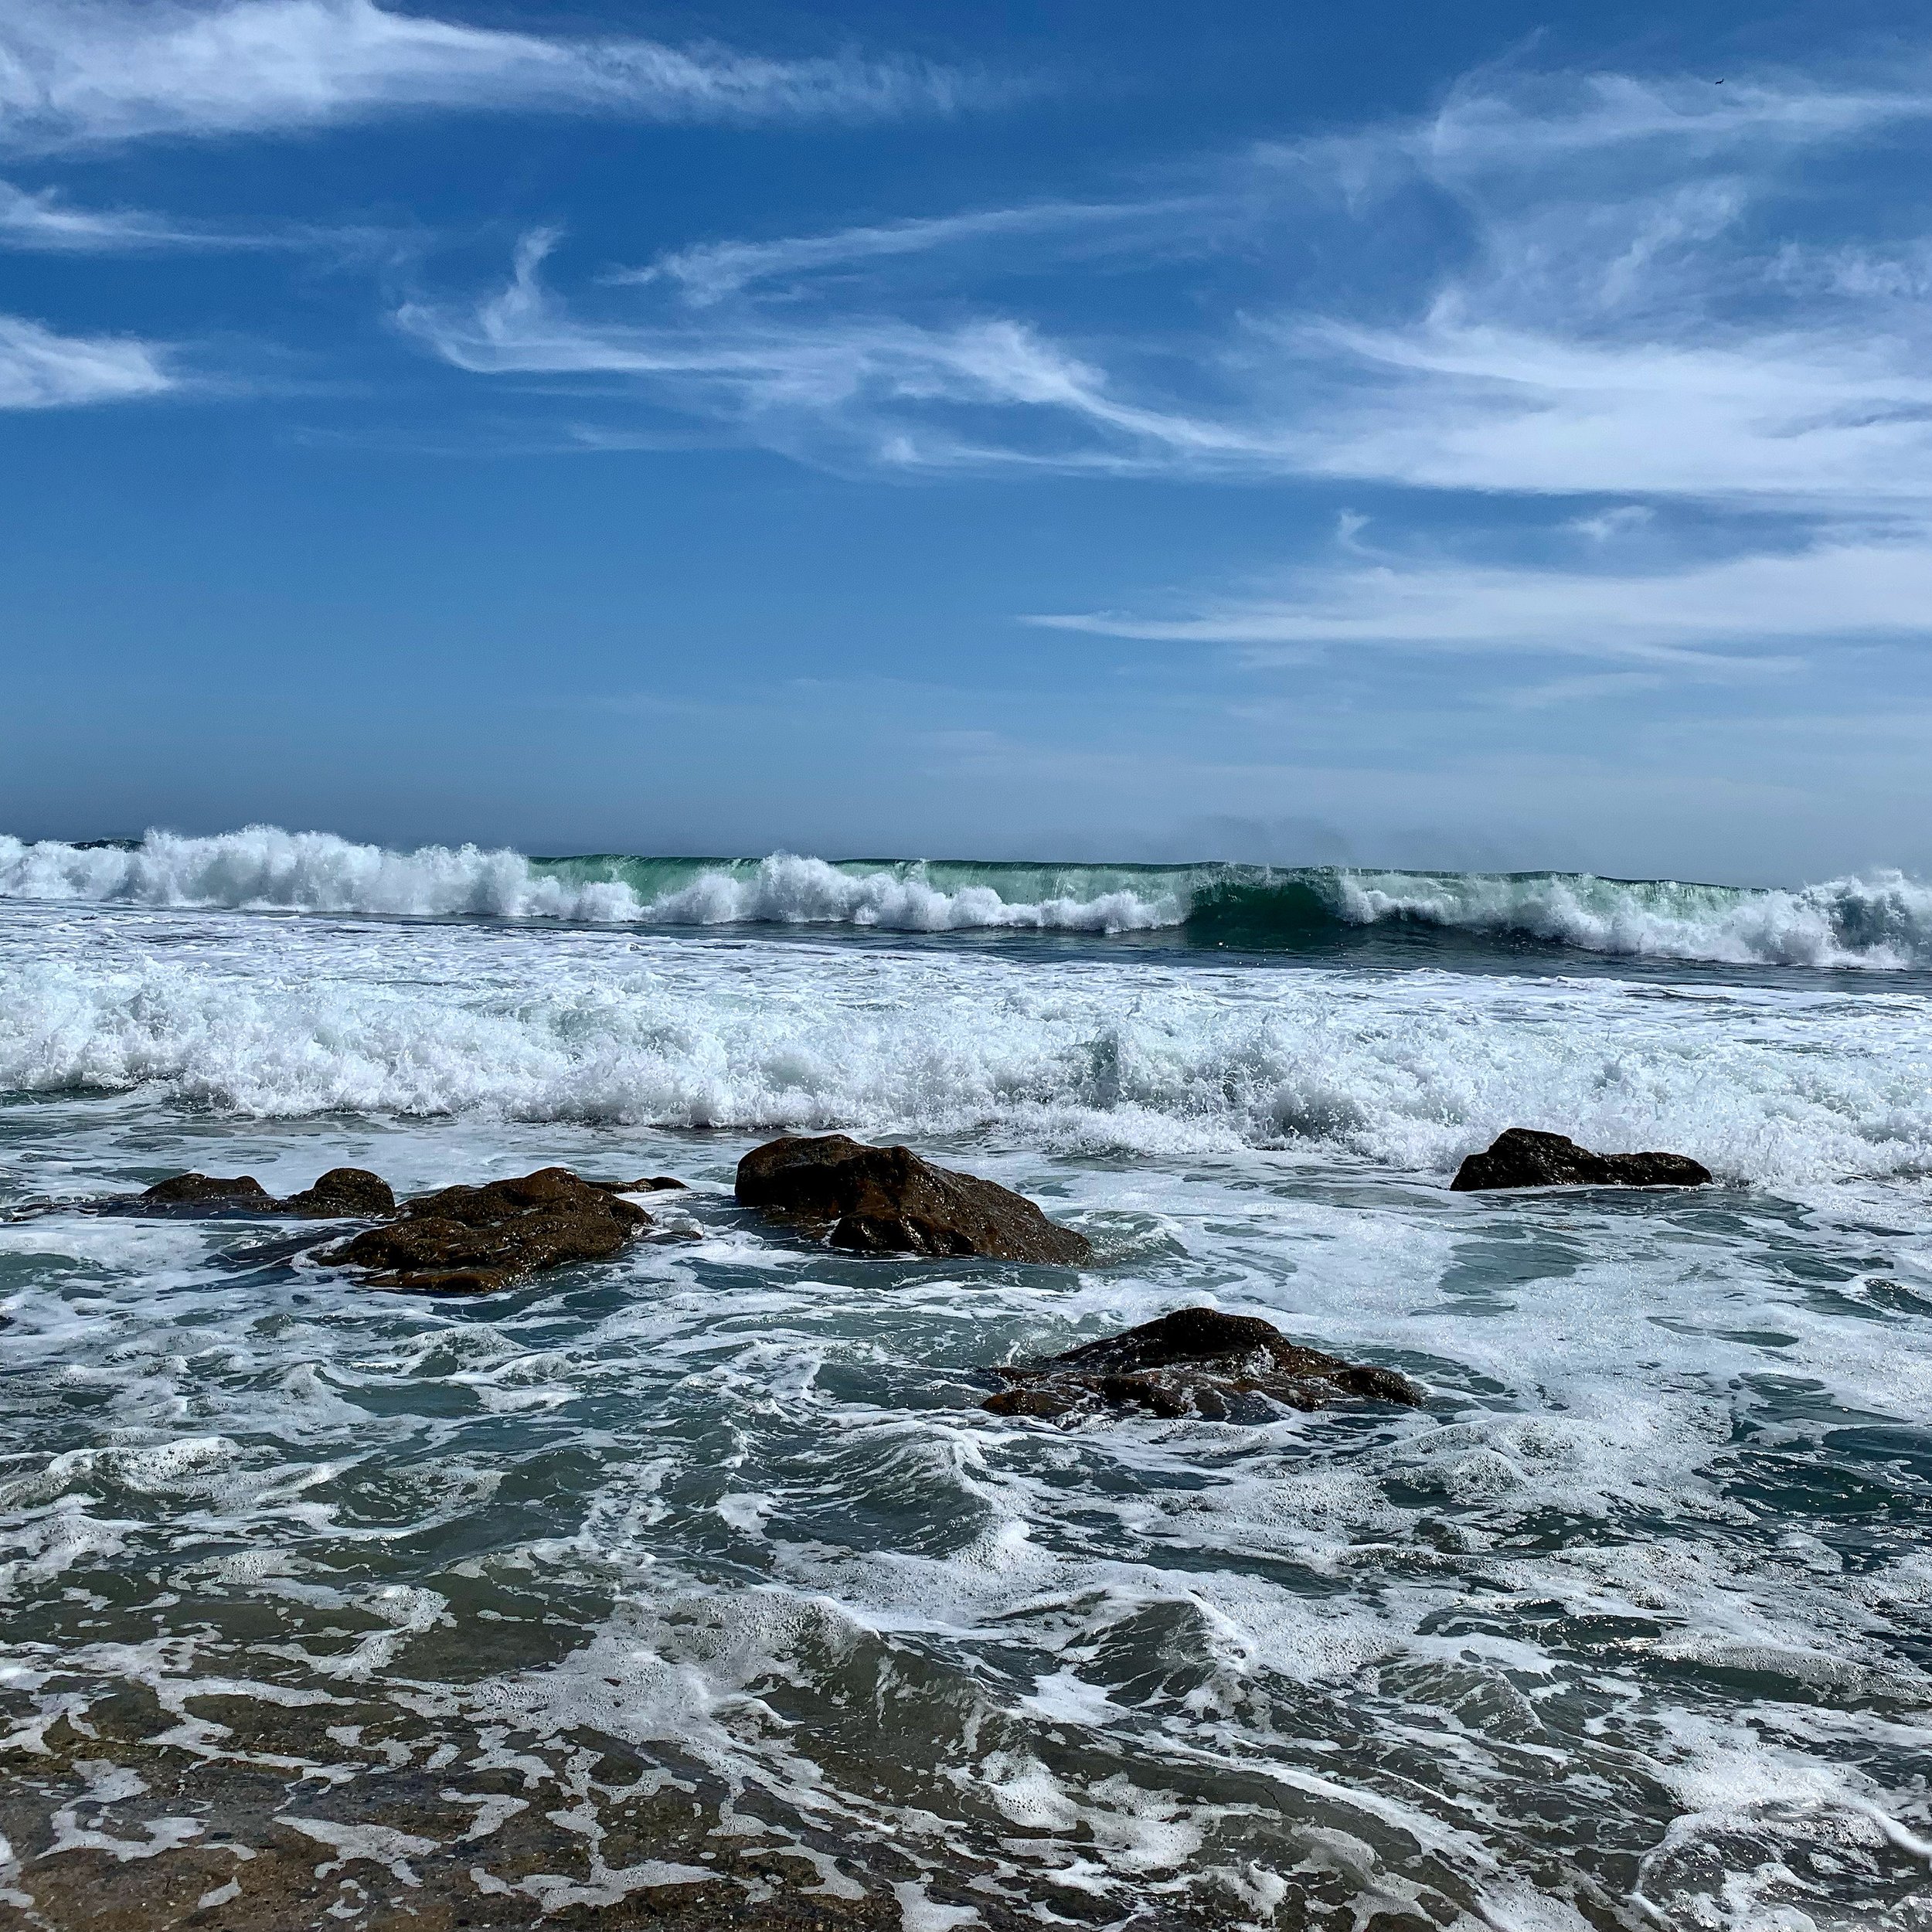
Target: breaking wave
(1792, 1085)
(1882, 922)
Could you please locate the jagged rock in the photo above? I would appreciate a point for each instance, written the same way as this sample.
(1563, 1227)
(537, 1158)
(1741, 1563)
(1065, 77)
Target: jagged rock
(1521, 1156)
(341, 1193)
(1195, 1362)
(469, 1240)
(191, 1190)
(885, 1200)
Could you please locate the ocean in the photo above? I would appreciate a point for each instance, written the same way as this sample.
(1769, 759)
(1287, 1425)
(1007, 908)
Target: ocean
(696, 1587)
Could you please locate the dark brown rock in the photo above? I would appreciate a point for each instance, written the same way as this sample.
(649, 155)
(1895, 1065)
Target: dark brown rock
(343, 1192)
(1521, 1156)
(469, 1240)
(885, 1200)
(651, 1183)
(191, 1190)
(1195, 1362)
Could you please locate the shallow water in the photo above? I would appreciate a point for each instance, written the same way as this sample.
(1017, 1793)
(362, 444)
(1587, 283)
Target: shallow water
(1631, 1626)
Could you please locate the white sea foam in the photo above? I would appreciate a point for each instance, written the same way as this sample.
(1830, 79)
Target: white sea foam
(264, 868)
(729, 1503)
(786, 890)
(1881, 923)
(1884, 922)
(1785, 1087)
(1304, 1659)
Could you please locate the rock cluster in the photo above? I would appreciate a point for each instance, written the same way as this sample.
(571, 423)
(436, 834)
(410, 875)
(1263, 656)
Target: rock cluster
(869, 1200)
(470, 1240)
(1195, 1362)
(343, 1193)
(887, 1200)
(1521, 1156)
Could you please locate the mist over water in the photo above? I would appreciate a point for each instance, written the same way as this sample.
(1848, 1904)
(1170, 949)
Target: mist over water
(1630, 1627)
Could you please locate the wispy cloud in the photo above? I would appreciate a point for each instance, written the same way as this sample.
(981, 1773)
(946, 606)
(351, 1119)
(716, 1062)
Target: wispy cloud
(81, 71)
(1619, 321)
(1619, 301)
(1752, 603)
(1597, 318)
(40, 370)
(890, 388)
(833, 385)
(711, 271)
(47, 222)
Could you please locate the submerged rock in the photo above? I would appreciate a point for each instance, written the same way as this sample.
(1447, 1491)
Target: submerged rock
(1521, 1156)
(885, 1200)
(1195, 1362)
(470, 1240)
(651, 1183)
(343, 1193)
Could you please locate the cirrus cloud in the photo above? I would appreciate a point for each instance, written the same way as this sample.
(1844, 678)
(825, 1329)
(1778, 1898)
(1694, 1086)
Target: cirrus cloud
(42, 369)
(75, 72)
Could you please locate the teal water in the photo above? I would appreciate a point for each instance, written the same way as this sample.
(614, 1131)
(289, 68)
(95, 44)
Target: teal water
(1632, 1626)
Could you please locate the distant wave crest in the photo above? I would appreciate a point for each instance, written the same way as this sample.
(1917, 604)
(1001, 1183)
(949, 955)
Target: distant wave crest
(1882, 922)
(264, 868)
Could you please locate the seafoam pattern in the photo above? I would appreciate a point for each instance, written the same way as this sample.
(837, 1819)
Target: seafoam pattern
(281, 1017)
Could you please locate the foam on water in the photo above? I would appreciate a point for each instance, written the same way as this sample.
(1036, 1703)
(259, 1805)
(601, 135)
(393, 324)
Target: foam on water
(1249, 1667)
(263, 867)
(1883, 923)
(293, 1019)
(1632, 1626)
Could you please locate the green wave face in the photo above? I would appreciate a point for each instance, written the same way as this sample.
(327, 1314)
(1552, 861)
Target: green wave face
(1883, 921)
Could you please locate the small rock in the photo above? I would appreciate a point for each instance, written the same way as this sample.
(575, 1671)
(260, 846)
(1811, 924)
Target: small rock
(343, 1193)
(1195, 1362)
(470, 1240)
(1521, 1156)
(652, 1184)
(887, 1200)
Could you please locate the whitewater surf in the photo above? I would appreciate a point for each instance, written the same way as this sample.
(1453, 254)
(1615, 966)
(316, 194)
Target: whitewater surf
(698, 1581)
(1884, 922)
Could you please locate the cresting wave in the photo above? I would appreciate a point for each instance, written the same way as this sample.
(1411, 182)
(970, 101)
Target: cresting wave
(1883, 922)
(1171, 1058)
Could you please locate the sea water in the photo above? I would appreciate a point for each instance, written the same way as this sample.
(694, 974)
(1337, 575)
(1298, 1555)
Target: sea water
(701, 1573)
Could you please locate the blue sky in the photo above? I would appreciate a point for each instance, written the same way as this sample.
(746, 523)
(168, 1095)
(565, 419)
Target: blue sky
(1476, 436)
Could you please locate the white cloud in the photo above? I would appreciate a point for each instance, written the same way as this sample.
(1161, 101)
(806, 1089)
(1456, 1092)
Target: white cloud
(45, 222)
(880, 385)
(39, 369)
(1595, 325)
(1837, 417)
(1851, 587)
(830, 385)
(1503, 119)
(1607, 525)
(1617, 303)
(711, 271)
(105, 70)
